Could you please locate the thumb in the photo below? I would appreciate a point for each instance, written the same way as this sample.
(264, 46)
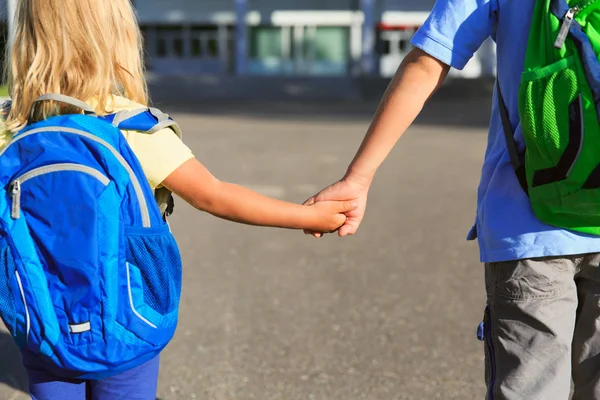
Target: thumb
(347, 206)
(309, 202)
(349, 228)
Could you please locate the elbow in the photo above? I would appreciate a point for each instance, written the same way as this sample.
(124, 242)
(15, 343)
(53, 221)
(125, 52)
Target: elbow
(427, 65)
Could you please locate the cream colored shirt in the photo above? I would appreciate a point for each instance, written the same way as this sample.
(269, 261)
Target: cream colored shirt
(160, 153)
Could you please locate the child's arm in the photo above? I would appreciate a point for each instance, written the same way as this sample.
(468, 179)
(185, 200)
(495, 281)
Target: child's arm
(415, 81)
(418, 77)
(196, 185)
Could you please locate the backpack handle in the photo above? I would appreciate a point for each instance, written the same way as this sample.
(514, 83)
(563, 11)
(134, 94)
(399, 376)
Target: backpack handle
(61, 98)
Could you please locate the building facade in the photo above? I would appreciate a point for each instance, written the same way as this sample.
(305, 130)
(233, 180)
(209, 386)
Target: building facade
(283, 37)
(286, 37)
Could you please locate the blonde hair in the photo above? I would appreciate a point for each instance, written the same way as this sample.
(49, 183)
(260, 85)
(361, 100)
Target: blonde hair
(80, 48)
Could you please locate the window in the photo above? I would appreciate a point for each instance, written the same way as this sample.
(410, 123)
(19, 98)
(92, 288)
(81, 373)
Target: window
(332, 44)
(265, 43)
(169, 41)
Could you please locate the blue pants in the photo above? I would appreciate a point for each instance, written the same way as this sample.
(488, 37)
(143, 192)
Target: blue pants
(136, 384)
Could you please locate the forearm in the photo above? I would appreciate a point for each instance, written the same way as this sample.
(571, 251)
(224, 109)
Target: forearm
(416, 80)
(238, 204)
(198, 187)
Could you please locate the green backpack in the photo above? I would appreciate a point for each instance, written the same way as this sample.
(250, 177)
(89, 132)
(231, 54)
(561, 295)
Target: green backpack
(559, 107)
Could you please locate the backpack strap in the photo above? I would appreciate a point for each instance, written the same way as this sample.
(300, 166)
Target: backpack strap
(61, 98)
(572, 28)
(149, 121)
(511, 144)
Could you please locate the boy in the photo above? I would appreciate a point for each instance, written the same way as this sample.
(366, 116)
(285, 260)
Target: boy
(543, 283)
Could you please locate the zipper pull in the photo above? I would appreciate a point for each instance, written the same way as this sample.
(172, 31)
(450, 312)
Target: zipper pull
(566, 27)
(16, 200)
(481, 332)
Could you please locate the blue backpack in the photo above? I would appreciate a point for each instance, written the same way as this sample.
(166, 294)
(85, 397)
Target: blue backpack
(90, 275)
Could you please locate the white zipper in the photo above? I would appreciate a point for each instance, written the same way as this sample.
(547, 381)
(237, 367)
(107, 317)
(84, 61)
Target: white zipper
(16, 184)
(566, 27)
(144, 211)
(24, 302)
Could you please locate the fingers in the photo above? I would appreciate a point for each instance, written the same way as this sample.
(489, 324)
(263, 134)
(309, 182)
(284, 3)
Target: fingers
(318, 235)
(349, 228)
(347, 206)
(340, 221)
(346, 230)
(309, 202)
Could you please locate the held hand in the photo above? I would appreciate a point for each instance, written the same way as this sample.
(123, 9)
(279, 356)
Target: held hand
(329, 215)
(347, 188)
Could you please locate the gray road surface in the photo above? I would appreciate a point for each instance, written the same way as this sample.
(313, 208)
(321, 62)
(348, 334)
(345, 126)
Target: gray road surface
(389, 314)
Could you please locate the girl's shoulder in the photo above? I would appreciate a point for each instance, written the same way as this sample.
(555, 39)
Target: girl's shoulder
(115, 104)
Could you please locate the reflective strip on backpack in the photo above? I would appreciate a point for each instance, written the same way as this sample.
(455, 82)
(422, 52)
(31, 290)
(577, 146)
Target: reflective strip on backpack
(64, 167)
(28, 319)
(80, 328)
(137, 314)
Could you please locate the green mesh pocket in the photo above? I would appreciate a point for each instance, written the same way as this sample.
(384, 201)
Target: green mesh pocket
(547, 105)
(562, 135)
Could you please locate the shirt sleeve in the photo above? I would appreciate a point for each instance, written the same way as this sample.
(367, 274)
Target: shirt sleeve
(456, 29)
(159, 153)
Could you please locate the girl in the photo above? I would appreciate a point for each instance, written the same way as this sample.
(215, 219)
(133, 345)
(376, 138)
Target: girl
(92, 50)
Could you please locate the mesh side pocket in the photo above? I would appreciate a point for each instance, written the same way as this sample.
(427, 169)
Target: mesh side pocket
(158, 259)
(544, 107)
(7, 303)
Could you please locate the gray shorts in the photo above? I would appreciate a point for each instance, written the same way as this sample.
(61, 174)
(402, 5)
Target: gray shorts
(542, 328)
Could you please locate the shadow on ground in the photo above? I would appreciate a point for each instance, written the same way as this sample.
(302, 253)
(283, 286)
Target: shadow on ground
(12, 373)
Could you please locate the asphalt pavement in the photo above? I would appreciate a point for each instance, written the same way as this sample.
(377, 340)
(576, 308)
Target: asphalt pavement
(267, 314)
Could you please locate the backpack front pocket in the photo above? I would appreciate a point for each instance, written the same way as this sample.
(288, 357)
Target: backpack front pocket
(151, 282)
(551, 114)
(61, 218)
(25, 304)
(560, 126)
(16, 322)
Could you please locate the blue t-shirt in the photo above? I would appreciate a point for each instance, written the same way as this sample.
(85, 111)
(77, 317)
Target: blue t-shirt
(505, 224)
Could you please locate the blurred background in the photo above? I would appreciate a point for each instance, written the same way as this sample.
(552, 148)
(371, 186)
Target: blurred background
(286, 38)
(276, 95)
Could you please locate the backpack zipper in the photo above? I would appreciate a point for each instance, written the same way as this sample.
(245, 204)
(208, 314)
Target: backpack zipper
(565, 28)
(16, 184)
(144, 210)
(568, 22)
(16, 200)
